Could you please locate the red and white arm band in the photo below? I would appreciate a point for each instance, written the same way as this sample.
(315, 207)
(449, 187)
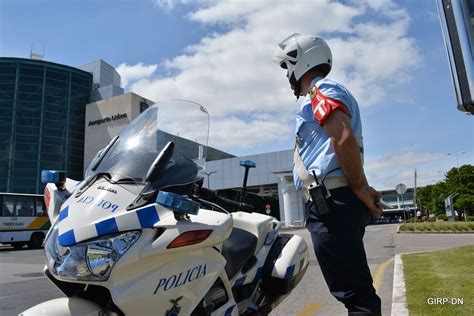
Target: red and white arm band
(323, 106)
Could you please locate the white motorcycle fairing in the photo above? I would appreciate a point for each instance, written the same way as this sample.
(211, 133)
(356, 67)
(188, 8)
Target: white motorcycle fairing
(146, 280)
(104, 205)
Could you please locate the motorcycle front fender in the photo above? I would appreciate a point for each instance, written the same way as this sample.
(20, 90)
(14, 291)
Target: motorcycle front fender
(64, 306)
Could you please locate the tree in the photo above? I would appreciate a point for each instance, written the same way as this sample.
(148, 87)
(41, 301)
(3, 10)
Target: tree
(462, 181)
(456, 181)
(432, 197)
(438, 194)
(424, 196)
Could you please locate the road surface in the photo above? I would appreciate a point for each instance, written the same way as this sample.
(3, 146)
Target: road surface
(23, 285)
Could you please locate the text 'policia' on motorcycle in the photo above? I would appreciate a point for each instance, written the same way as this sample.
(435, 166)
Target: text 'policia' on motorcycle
(102, 203)
(141, 235)
(176, 281)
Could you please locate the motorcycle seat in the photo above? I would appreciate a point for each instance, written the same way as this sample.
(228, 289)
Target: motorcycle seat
(237, 250)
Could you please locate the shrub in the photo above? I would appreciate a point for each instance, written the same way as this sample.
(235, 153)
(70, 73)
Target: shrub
(438, 227)
(457, 227)
(442, 217)
(423, 227)
(470, 218)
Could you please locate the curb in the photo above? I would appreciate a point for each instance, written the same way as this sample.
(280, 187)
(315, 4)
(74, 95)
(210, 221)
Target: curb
(433, 232)
(399, 300)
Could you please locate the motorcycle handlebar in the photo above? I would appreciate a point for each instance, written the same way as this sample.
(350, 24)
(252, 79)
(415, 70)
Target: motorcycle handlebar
(211, 195)
(240, 205)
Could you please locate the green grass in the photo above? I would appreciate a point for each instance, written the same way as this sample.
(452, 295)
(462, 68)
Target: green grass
(441, 274)
(438, 227)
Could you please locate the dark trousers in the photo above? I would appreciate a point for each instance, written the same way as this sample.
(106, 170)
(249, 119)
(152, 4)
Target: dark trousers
(337, 241)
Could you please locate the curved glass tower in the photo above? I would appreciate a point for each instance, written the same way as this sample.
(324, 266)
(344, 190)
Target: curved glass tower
(42, 112)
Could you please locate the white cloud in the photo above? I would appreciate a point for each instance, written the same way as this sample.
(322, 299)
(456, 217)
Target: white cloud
(398, 167)
(228, 12)
(234, 132)
(232, 73)
(402, 160)
(135, 72)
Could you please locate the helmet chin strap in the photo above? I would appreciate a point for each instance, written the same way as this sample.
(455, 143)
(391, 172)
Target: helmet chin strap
(297, 90)
(296, 86)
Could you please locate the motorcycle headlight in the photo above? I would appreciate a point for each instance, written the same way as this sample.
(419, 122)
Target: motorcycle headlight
(100, 258)
(87, 261)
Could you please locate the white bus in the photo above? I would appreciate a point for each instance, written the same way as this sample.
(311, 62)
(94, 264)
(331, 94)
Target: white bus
(23, 220)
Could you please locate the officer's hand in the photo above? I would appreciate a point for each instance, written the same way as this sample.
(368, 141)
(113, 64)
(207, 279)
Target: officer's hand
(371, 198)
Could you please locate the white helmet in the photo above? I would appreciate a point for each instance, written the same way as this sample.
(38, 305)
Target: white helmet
(300, 54)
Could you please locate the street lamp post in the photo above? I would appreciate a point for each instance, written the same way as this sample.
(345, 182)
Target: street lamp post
(208, 174)
(459, 178)
(456, 156)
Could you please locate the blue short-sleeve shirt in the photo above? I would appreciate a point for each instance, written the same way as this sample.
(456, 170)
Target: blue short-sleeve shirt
(316, 150)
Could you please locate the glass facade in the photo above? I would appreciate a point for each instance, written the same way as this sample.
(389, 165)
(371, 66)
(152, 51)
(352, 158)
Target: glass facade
(42, 114)
(392, 198)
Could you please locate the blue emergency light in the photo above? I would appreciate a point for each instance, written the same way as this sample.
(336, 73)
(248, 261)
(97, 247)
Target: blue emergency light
(178, 203)
(248, 163)
(53, 176)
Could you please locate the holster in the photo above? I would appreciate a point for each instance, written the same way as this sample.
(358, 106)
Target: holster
(320, 196)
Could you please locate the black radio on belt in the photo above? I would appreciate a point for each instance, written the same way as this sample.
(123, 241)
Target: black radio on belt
(319, 195)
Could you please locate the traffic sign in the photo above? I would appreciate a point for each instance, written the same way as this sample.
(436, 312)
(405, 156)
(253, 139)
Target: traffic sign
(401, 188)
(267, 209)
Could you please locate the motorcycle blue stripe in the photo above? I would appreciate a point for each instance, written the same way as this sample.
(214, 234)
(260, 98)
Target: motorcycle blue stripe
(63, 214)
(289, 272)
(258, 275)
(228, 312)
(109, 226)
(148, 217)
(240, 281)
(67, 239)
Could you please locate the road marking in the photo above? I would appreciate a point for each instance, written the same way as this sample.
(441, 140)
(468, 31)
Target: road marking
(378, 274)
(310, 309)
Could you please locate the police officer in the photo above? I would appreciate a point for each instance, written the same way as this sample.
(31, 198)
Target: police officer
(329, 169)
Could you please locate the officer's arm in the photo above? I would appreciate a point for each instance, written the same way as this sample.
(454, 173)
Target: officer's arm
(339, 129)
(345, 145)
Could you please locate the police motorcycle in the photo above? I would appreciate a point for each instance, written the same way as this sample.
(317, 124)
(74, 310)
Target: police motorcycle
(142, 236)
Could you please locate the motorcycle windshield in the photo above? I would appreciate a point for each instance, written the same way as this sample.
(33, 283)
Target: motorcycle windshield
(183, 122)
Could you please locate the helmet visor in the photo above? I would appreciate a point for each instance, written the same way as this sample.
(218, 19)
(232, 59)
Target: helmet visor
(289, 40)
(283, 56)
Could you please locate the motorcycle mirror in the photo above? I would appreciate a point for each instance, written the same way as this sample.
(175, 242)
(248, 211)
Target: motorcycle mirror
(53, 176)
(104, 152)
(160, 162)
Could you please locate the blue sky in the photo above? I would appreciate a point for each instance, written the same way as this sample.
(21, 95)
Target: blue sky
(219, 53)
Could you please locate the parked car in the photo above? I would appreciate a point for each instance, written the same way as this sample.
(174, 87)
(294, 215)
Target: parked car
(396, 220)
(381, 220)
